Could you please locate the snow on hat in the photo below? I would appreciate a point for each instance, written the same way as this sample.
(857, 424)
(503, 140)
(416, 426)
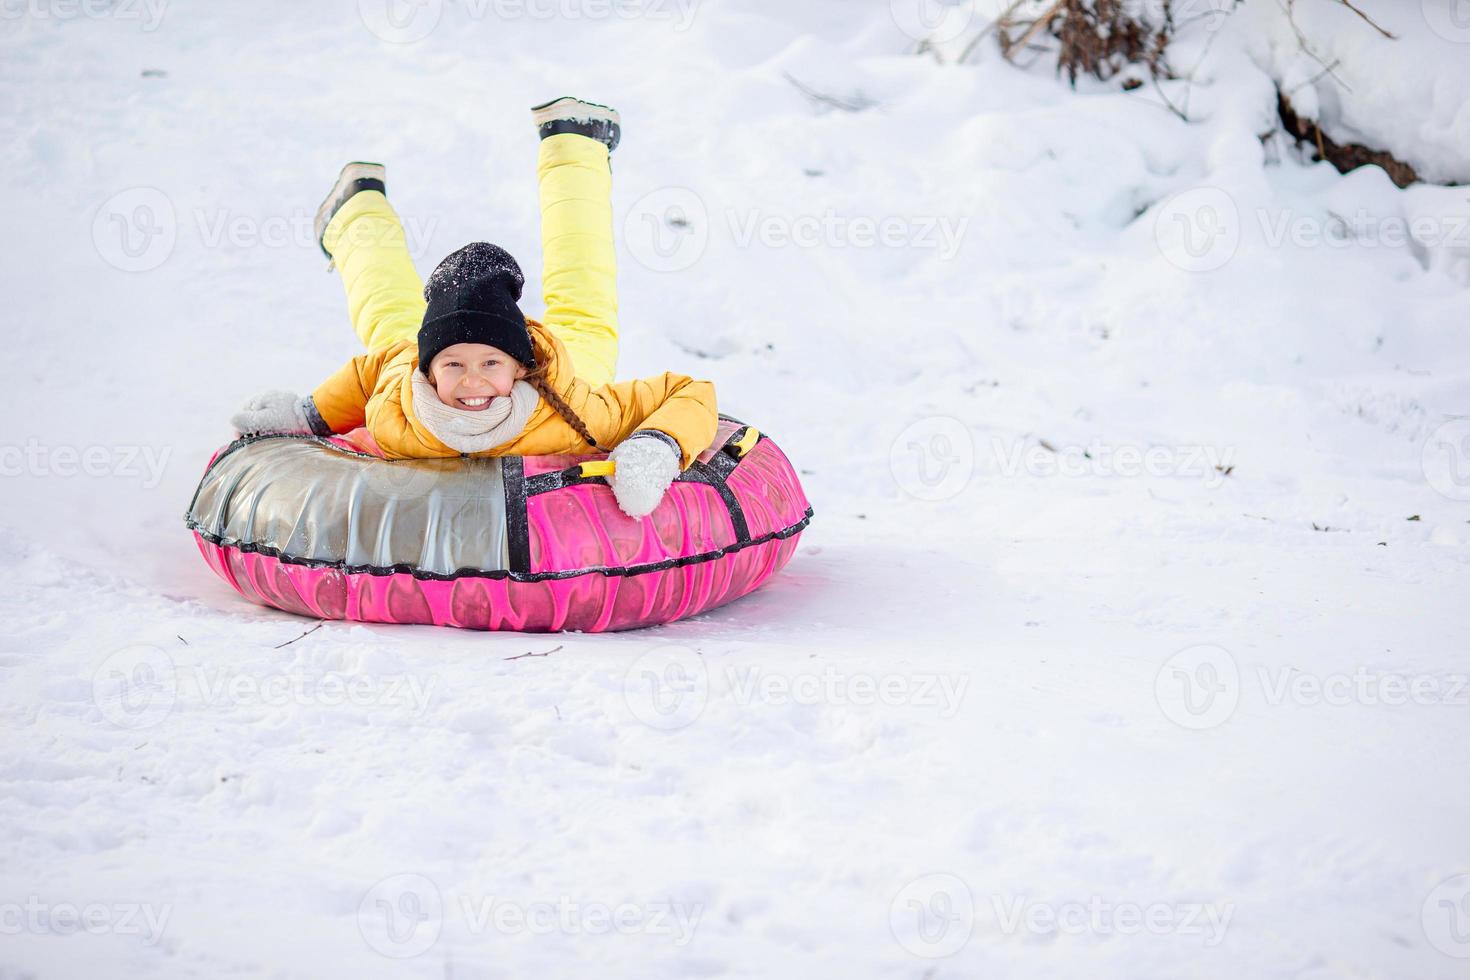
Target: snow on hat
(472, 300)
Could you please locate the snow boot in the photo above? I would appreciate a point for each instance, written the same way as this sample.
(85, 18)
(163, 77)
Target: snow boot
(355, 177)
(569, 115)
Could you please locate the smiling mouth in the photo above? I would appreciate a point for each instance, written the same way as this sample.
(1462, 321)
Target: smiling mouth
(474, 404)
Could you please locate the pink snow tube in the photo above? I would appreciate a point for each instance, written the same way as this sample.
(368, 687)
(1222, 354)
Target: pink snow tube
(318, 527)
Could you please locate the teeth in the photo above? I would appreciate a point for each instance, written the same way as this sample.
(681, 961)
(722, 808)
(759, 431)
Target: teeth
(474, 401)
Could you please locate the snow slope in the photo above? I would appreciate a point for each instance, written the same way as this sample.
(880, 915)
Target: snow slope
(1045, 692)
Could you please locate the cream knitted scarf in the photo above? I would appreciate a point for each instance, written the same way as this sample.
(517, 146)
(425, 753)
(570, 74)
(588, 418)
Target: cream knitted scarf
(474, 432)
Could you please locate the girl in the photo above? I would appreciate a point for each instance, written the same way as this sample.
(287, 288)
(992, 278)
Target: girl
(454, 367)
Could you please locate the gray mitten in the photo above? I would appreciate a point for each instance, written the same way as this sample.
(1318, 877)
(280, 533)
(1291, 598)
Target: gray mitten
(647, 463)
(274, 411)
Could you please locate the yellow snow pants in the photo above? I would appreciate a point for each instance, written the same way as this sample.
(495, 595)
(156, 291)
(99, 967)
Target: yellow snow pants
(385, 296)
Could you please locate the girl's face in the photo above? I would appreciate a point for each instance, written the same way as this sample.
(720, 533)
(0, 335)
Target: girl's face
(467, 376)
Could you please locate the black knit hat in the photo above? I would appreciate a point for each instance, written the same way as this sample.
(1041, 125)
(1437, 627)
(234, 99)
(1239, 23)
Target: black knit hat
(472, 300)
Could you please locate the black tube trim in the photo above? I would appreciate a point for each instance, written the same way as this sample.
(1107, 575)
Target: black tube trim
(722, 464)
(559, 480)
(703, 473)
(517, 526)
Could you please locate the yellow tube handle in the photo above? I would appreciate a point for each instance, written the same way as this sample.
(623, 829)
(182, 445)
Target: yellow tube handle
(743, 444)
(597, 467)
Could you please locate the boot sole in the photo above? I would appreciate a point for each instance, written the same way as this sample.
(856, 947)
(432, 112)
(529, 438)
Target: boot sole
(568, 107)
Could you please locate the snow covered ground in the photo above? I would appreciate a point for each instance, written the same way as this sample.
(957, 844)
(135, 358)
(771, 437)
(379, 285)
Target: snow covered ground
(1338, 77)
(1127, 641)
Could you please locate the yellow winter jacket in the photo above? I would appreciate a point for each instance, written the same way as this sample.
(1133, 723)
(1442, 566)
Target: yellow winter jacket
(376, 390)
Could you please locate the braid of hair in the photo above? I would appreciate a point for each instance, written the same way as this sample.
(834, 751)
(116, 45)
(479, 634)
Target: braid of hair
(537, 379)
(543, 387)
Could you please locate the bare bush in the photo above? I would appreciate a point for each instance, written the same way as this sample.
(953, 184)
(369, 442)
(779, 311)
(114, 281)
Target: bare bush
(1094, 37)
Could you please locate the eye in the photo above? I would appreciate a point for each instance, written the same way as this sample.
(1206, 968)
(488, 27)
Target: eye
(491, 363)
